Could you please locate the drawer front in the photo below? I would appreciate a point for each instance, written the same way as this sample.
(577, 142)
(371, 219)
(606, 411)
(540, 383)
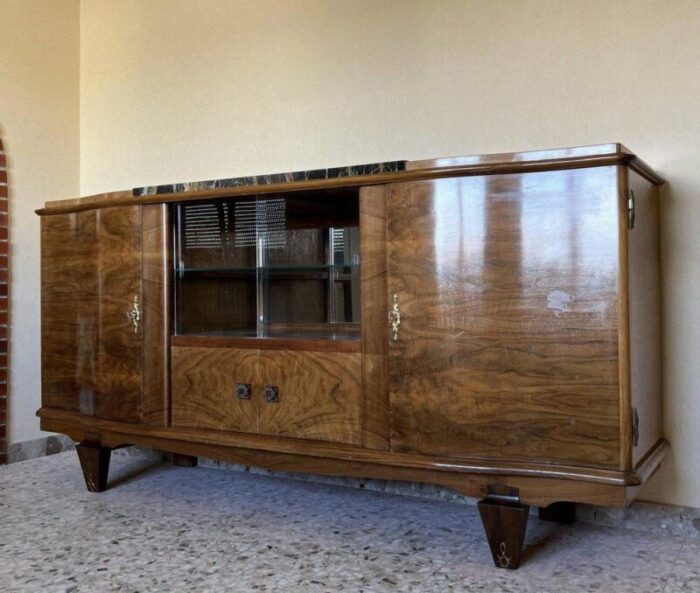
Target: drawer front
(204, 388)
(317, 395)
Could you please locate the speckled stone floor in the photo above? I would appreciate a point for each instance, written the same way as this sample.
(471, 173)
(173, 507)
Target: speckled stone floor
(161, 528)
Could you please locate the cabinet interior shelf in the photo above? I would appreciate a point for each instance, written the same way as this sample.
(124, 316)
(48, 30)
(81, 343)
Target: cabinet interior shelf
(324, 268)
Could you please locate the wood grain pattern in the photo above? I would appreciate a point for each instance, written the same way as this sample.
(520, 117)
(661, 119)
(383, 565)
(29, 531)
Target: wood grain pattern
(373, 273)
(156, 314)
(204, 388)
(538, 485)
(91, 271)
(499, 471)
(319, 392)
(119, 360)
(68, 297)
(319, 395)
(516, 162)
(508, 294)
(645, 314)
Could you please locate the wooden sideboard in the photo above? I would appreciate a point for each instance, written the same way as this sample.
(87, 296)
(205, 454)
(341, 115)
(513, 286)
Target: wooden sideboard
(490, 324)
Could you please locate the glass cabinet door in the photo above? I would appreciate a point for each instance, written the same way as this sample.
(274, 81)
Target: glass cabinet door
(269, 266)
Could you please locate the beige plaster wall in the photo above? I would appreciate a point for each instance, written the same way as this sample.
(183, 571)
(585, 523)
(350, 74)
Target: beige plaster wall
(39, 126)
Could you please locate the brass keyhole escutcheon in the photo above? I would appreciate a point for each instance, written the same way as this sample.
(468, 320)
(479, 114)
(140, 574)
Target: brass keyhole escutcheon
(134, 314)
(395, 319)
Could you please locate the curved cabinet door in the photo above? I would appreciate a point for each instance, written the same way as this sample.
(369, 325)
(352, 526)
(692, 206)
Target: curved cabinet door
(92, 312)
(507, 291)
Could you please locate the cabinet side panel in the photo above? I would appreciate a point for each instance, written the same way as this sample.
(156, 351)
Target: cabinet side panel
(375, 388)
(69, 311)
(119, 344)
(156, 314)
(645, 314)
(508, 293)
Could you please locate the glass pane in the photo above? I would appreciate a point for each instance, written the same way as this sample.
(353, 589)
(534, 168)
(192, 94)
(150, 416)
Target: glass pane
(310, 275)
(215, 256)
(279, 265)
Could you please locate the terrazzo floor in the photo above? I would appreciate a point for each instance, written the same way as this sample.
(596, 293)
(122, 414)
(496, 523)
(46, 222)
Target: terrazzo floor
(161, 528)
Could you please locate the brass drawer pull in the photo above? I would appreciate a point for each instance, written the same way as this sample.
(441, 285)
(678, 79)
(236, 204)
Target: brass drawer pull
(395, 318)
(244, 390)
(272, 394)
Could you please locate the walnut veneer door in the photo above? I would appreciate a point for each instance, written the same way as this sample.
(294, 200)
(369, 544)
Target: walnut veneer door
(508, 343)
(91, 274)
(318, 395)
(204, 388)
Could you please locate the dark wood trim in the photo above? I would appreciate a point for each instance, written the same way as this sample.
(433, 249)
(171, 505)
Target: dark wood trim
(71, 423)
(558, 512)
(617, 156)
(267, 343)
(94, 461)
(184, 460)
(505, 523)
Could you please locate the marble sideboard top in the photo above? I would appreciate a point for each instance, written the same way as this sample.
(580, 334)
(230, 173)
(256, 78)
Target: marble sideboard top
(350, 171)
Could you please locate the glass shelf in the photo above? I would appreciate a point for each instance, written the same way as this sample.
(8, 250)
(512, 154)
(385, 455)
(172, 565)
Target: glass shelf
(338, 268)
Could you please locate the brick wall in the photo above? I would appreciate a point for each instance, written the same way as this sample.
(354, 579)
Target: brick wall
(4, 302)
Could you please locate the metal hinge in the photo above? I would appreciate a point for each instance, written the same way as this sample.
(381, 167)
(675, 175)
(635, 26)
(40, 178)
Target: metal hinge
(635, 427)
(630, 209)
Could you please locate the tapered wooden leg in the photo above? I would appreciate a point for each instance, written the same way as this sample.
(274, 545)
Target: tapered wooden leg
(504, 523)
(184, 460)
(95, 463)
(559, 512)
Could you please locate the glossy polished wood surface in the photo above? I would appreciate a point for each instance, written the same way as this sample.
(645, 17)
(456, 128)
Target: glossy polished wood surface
(319, 395)
(156, 314)
(507, 287)
(68, 292)
(500, 164)
(204, 388)
(538, 484)
(375, 388)
(91, 273)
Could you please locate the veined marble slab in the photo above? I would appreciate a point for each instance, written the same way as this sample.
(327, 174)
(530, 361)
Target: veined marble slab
(331, 173)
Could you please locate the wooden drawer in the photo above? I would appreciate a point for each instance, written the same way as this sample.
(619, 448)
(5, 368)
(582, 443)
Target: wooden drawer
(319, 393)
(204, 388)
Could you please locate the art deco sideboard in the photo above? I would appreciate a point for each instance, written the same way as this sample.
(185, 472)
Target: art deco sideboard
(489, 324)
